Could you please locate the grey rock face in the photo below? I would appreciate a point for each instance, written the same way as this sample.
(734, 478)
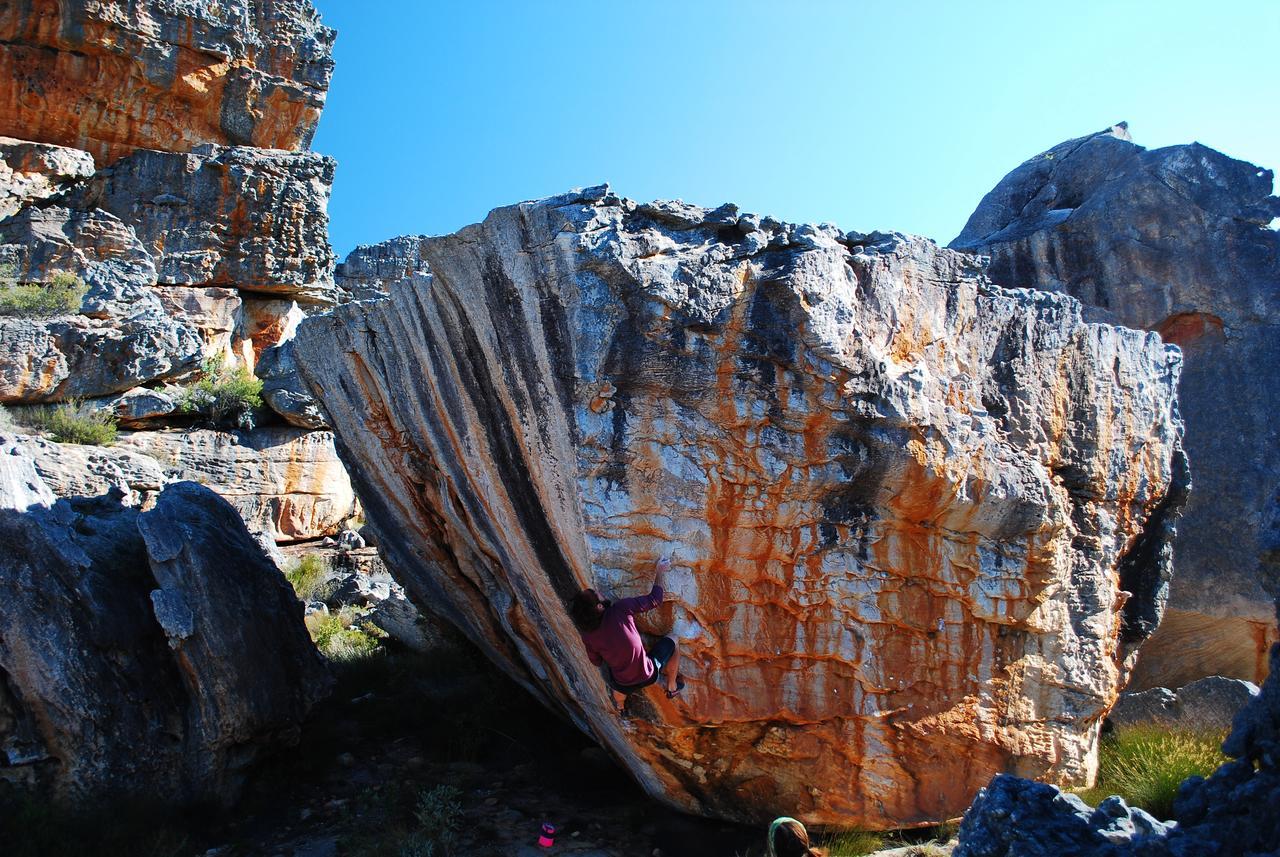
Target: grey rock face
(31, 171)
(284, 390)
(72, 470)
(73, 356)
(1174, 240)
(148, 655)
(115, 76)
(371, 270)
(93, 244)
(904, 502)
(1206, 705)
(1230, 814)
(242, 218)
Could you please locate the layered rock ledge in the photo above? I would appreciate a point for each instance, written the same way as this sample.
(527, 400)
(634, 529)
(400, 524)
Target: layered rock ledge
(918, 520)
(110, 76)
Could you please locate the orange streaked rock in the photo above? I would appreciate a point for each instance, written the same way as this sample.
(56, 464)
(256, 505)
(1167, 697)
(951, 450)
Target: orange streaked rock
(907, 507)
(111, 77)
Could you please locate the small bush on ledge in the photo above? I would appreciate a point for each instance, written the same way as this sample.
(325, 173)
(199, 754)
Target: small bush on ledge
(60, 296)
(69, 423)
(226, 395)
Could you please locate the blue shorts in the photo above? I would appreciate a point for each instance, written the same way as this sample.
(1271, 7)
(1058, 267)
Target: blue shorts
(660, 653)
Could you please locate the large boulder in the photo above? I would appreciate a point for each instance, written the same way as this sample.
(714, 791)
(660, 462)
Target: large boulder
(237, 217)
(142, 655)
(1176, 241)
(112, 76)
(1230, 814)
(286, 482)
(919, 521)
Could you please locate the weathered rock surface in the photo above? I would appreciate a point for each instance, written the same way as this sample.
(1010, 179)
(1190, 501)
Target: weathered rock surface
(73, 470)
(236, 217)
(31, 171)
(48, 360)
(1174, 240)
(142, 654)
(283, 481)
(1206, 705)
(1230, 814)
(371, 270)
(113, 76)
(284, 390)
(904, 503)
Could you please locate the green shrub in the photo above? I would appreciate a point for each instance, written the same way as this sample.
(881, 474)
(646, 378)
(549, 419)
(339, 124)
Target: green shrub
(439, 816)
(6, 420)
(226, 395)
(60, 296)
(69, 423)
(340, 639)
(1146, 764)
(309, 577)
(852, 843)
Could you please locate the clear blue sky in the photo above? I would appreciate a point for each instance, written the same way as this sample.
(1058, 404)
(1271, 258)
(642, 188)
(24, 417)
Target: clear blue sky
(886, 115)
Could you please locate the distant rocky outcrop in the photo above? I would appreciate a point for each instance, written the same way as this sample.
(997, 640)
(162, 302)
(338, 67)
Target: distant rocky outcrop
(1206, 705)
(111, 76)
(1230, 814)
(919, 521)
(1176, 241)
(371, 270)
(145, 654)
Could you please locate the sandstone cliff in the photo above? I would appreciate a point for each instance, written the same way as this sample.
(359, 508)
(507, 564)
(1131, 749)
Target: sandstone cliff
(919, 521)
(1176, 241)
(110, 77)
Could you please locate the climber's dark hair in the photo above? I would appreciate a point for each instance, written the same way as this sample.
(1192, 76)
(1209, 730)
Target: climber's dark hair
(790, 839)
(584, 611)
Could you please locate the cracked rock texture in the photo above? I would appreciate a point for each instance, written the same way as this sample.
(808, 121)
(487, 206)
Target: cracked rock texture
(1174, 240)
(1232, 813)
(237, 217)
(283, 481)
(371, 270)
(142, 654)
(110, 76)
(31, 171)
(908, 508)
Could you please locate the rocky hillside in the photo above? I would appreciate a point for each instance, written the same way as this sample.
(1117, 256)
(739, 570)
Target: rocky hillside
(199, 259)
(1176, 241)
(918, 520)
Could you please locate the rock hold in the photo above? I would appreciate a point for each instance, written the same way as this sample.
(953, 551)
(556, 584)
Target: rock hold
(899, 496)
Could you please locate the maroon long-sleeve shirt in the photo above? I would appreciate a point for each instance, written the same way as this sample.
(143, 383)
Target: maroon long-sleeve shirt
(617, 643)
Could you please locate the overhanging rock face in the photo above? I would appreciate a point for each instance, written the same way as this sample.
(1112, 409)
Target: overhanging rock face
(904, 503)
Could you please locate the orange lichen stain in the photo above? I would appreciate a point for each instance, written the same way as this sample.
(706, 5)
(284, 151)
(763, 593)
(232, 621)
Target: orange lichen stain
(1186, 329)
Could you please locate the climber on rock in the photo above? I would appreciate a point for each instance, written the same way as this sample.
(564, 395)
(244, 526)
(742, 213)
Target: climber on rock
(608, 630)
